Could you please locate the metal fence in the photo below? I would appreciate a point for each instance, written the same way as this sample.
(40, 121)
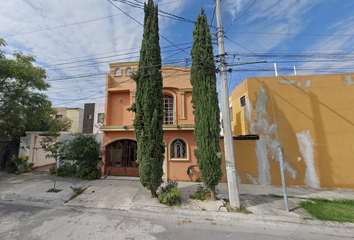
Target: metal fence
(7, 150)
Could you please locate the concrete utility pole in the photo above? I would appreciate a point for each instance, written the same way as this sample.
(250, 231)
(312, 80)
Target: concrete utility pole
(228, 139)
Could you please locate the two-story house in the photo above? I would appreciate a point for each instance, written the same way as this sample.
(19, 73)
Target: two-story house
(119, 141)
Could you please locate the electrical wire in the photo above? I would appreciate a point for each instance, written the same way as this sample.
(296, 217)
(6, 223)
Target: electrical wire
(298, 34)
(143, 25)
(241, 14)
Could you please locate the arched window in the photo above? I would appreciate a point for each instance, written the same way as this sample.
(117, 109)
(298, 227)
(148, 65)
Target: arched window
(178, 149)
(129, 71)
(118, 72)
(168, 111)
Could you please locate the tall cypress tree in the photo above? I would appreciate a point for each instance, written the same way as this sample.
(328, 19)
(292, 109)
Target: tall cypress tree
(149, 104)
(206, 106)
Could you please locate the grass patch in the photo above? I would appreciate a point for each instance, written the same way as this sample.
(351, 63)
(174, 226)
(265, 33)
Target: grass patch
(330, 210)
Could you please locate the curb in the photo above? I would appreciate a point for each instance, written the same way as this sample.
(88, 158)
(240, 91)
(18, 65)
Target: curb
(242, 217)
(269, 221)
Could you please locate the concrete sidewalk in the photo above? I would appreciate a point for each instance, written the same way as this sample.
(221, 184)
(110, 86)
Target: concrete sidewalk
(127, 194)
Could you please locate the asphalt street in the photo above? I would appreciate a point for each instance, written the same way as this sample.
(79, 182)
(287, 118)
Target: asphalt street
(36, 221)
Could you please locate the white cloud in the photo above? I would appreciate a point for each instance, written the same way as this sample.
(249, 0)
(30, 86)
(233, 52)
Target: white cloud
(112, 36)
(333, 45)
(289, 16)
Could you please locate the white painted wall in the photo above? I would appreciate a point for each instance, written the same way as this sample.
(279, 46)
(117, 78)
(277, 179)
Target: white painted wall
(81, 120)
(99, 108)
(30, 146)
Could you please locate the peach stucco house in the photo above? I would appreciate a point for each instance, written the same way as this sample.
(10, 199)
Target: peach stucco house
(119, 141)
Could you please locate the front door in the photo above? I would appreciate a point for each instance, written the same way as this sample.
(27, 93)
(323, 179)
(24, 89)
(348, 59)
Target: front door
(121, 158)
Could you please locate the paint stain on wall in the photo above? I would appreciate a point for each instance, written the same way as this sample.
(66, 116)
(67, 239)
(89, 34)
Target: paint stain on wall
(251, 178)
(248, 111)
(306, 149)
(292, 173)
(304, 84)
(267, 145)
(264, 177)
(348, 80)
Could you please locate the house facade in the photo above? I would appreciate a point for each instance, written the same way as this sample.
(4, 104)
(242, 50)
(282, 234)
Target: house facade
(119, 141)
(93, 117)
(75, 114)
(310, 117)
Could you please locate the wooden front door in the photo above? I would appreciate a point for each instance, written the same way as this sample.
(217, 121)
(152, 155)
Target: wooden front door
(121, 158)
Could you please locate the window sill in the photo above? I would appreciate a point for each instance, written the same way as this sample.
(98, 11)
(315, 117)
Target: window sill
(179, 159)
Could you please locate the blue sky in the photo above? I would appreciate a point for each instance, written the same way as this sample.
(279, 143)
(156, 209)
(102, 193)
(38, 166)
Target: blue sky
(75, 40)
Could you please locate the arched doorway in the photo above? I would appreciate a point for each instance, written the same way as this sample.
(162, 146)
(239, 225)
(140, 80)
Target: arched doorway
(121, 158)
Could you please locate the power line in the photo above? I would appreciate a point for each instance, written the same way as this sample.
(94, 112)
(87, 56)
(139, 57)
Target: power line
(243, 47)
(77, 23)
(62, 26)
(143, 25)
(299, 34)
(123, 54)
(241, 14)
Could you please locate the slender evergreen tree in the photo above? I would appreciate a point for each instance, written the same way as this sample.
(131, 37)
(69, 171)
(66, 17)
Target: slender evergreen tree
(206, 106)
(149, 104)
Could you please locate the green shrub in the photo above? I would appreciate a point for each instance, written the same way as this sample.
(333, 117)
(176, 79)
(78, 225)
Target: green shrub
(21, 164)
(169, 195)
(202, 193)
(85, 149)
(94, 175)
(53, 169)
(67, 170)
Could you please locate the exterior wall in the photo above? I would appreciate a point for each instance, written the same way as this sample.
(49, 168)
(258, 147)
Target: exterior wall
(76, 115)
(245, 161)
(313, 120)
(173, 169)
(239, 123)
(81, 119)
(30, 146)
(62, 111)
(118, 124)
(99, 108)
(88, 122)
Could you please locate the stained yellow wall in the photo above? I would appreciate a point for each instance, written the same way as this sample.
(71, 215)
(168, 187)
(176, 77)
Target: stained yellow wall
(76, 115)
(320, 104)
(245, 160)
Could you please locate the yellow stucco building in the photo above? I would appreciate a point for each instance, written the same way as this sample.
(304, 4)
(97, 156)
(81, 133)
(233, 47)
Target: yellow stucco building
(311, 117)
(75, 114)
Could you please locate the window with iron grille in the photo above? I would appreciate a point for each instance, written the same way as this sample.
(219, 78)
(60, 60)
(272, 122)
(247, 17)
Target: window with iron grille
(242, 101)
(178, 149)
(168, 111)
